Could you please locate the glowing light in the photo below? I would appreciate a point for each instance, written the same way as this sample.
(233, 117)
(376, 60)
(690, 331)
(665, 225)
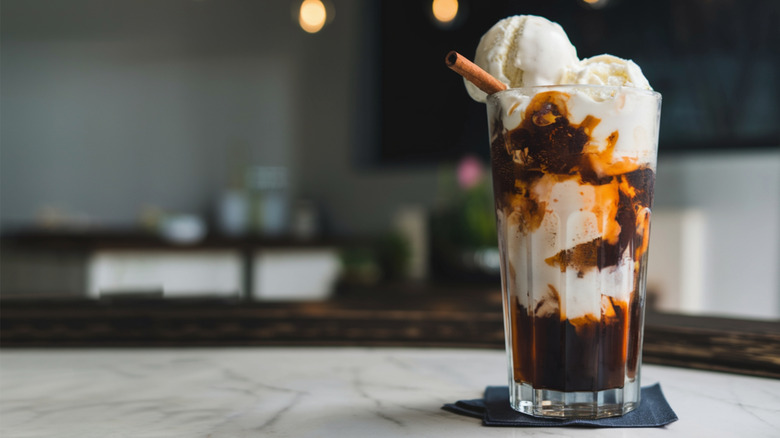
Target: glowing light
(312, 15)
(445, 10)
(596, 4)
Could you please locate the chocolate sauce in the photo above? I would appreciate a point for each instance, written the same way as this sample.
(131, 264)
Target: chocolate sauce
(585, 354)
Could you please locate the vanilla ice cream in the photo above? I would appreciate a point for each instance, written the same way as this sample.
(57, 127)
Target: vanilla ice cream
(606, 70)
(528, 51)
(524, 51)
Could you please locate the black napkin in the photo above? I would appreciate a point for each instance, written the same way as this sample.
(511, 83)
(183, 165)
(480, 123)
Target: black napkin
(494, 410)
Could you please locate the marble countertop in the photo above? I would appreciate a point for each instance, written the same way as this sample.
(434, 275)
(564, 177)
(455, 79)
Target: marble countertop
(320, 392)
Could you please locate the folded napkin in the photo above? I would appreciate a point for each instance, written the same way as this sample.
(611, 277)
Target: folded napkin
(494, 410)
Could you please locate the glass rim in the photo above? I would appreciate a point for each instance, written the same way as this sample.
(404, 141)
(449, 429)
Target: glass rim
(538, 88)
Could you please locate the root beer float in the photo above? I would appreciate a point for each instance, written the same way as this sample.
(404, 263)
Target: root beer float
(573, 150)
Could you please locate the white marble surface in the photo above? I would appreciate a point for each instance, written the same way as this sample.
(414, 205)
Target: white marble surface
(319, 392)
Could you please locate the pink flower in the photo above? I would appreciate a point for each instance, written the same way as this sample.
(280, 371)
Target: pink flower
(469, 172)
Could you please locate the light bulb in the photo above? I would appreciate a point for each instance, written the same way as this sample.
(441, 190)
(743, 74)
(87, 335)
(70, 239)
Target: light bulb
(312, 15)
(445, 10)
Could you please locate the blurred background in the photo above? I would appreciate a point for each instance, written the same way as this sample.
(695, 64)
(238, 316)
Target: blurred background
(282, 150)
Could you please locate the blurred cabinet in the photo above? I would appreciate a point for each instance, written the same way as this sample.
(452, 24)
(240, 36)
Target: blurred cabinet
(169, 273)
(139, 264)
(294, 273)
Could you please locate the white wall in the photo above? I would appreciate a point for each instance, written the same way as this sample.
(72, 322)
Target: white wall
(107, 108)
(356, 198)
(737, 197)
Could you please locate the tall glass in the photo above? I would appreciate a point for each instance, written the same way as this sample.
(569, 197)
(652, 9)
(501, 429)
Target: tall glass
(573, 173)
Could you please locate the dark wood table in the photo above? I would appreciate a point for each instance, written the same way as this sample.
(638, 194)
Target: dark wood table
(392, 315)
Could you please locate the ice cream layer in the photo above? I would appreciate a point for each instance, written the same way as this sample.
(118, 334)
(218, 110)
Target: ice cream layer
(533, 264)
(572, 167)
(627, 111)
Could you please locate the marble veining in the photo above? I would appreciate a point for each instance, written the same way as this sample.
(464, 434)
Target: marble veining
(320, 392)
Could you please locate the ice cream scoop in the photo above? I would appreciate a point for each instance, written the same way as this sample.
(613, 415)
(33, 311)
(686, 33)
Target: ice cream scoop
(528, 51)
(606, 70)
(524, 51)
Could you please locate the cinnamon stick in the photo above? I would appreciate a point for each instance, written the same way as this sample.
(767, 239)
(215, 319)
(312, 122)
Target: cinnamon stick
(473, 73)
